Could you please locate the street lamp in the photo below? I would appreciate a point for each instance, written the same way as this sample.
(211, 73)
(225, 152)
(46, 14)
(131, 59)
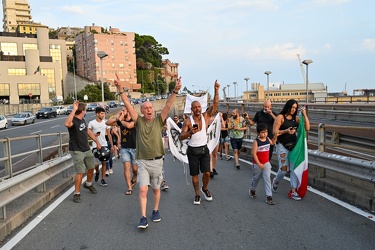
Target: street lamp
(307, 62)
(235, 90)
(246, 79)
(74, 77)
(268, 80)
(102, 55)
(228, 89)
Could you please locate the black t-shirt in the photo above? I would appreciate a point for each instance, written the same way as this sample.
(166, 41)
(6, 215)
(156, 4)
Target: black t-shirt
(261, 117)
(127, 136)
(78, 138)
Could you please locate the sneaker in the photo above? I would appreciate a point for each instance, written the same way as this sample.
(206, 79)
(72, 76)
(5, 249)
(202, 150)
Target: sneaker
(206, 194)
(238, 166)
(228, 158)
(103, 183)
(77, 198)
(269, 201)
(252, 194)
(96, 176)
(91, 188)
(295, 196)
(143, 223)
(111, 171)
(214, 171)
(164, 186)
(107, 173)
(274, 186)
(197, 200)
(221, 157)
(156, 216)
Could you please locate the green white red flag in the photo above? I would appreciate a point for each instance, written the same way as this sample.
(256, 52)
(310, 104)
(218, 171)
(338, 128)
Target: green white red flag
(299, 157)
(37, 70)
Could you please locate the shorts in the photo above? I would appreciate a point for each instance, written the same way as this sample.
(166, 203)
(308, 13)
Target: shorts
(128, 155)
(223, 140)
(150, 173)
(82, 161)
(198, 162)
(236, 143)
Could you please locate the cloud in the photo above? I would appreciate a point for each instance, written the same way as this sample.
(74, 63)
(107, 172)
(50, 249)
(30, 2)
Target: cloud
(369, 44)
(73, 9)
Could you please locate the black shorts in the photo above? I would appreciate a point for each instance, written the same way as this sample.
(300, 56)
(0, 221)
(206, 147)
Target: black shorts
(199, 159)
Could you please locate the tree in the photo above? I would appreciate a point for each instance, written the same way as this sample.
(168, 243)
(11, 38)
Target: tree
(94, 93)
(149, 50)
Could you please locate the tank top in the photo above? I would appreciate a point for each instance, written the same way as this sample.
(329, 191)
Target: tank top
(263, 150)
(286, 138)
(200, 138)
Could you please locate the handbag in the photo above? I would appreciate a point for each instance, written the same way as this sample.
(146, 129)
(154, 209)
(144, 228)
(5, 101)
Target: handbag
(199, 150)
(289, 145)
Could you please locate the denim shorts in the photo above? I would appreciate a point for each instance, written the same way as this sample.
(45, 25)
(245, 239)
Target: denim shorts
(236, 143)
(223, 140)
(128, 155)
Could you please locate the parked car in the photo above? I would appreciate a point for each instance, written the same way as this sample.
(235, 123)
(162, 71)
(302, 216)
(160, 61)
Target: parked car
(92, 106)
(61, 110)
(112, 104)
(3, 122)
(23, 118)
(69, 110)
(46, 112)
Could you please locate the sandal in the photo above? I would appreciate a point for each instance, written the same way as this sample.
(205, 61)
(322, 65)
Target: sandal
(129, 192)
(133, 182)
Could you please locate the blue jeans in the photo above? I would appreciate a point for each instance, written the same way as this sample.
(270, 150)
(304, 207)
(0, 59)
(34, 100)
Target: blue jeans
(282, 156)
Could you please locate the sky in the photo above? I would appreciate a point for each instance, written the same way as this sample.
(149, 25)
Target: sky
(228, 40)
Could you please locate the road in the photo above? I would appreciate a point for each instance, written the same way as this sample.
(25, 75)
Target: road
(109, 219)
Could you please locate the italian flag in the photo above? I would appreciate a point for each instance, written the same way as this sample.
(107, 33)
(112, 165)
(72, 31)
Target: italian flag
(299, 157)
(37, 70)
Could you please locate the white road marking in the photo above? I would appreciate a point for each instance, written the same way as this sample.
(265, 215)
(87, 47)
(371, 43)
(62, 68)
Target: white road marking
(35, 132)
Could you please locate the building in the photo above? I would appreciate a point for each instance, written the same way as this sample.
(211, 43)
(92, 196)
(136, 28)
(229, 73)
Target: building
(33, 68)
(119, 56)
(284, 92)
(15, 12)
(169, 71)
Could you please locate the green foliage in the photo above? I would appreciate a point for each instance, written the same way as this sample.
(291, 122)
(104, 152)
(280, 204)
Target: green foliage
(94, 93)
(147, 49)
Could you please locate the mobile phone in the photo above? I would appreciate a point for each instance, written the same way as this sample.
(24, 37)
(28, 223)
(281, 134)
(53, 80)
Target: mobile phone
(98, 133)
(244, 115)
(295, 128)
(195, 126)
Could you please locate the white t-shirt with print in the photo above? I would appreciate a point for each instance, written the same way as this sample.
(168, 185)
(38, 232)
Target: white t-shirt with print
(96, 127)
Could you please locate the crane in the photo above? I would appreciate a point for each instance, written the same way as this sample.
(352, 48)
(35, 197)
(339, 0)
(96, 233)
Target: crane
(302, 70)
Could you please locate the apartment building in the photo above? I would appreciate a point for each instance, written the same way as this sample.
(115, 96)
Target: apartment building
(118, 53)
(15, 12)
(33, 68)
(169, 71)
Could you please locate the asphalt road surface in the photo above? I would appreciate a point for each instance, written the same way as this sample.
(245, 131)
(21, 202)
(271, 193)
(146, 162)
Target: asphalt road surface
(233, 220)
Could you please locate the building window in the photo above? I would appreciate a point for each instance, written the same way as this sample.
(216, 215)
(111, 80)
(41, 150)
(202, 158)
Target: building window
(9, 48)
(4, 89)
(16, 72)
(50, 74)
(121, 65)
(26, 46)
(24, 89)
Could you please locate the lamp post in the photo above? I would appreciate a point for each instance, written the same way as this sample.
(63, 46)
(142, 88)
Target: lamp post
(307, 62)
(235, 90)
(228, 89)
(246, 79)
(102, 55)
(268, 80)
(74, 77)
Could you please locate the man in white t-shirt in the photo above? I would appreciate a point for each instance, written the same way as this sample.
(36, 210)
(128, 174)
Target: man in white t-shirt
(101, 130)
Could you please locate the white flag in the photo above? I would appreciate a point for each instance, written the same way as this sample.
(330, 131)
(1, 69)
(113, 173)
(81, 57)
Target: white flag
(190, 98)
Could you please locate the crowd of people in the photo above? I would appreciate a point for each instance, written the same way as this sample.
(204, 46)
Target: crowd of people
(141, 141)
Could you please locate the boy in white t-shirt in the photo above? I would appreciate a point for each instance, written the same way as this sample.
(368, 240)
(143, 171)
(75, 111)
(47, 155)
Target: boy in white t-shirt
(101, 130)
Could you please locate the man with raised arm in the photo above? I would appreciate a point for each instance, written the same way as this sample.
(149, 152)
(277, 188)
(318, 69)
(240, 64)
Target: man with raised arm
(149, 150)
(198, 154)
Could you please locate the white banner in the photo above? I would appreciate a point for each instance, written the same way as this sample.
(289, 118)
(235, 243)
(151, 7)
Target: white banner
(179, 148)
(189, 99)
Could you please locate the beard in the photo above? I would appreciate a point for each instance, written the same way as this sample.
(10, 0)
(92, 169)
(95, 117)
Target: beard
(235, 116)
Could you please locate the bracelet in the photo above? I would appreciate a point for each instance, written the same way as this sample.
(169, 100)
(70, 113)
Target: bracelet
(175, 92)
(120, 93)
(118, 123)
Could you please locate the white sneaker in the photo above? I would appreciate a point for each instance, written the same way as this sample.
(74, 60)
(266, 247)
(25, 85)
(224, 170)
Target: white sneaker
(106, 173)
(295, 196)
(111, 171)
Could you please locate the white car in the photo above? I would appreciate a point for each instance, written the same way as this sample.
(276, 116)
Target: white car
(61, 110)
(23, 118)
(3, 122)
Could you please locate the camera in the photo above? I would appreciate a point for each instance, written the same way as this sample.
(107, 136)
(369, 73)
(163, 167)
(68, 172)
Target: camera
(195, 126)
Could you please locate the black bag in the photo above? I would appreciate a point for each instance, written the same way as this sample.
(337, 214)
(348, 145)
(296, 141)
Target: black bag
(199, 150)
(289, 145)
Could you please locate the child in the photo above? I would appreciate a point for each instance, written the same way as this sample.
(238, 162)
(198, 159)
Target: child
(262, 166)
